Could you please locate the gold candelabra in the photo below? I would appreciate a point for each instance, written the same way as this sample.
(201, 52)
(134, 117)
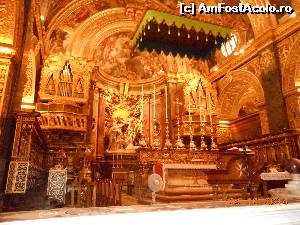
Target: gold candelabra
(214, 146)
(156, 142)
(192, 143)
(203, 145)
(142, 140)
(179, 143)
(168, 143)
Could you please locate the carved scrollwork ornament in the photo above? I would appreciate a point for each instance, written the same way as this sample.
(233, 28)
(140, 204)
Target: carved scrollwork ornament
(267, 59)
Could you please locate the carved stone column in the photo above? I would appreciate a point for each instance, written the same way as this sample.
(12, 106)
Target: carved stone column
(101, 126)
(274, 101)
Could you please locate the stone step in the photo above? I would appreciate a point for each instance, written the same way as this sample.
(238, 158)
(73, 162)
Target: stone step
(195, 191)
(185, 198)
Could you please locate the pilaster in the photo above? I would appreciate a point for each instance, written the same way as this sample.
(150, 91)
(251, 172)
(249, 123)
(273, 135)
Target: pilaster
(271, 82)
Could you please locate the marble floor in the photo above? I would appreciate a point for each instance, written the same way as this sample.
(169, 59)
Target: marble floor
(210, 213)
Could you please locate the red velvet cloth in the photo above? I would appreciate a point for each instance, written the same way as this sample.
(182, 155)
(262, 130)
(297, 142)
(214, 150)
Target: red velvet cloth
(158, 168)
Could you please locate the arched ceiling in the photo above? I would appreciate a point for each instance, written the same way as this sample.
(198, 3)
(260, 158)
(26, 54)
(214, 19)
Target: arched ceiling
(99, 29)
(66, 19)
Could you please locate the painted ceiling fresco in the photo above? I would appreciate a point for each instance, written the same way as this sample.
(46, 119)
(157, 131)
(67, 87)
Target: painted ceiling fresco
(116, 57)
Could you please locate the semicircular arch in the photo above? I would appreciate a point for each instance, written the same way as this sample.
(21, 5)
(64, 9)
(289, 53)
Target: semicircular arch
(291, 71)
(244, 86)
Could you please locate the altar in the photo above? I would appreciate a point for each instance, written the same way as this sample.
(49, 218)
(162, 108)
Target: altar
(184, 175)
(191, 175)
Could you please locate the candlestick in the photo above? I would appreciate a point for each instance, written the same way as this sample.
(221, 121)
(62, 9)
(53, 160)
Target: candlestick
(213, 145)
(154, 103)
(117, 160)
(156, 142)
(166, 94)
(142, 101)
(168, 143)
(142, 141)
(200, 108)
(179, 143)
(192, 144)
(189, 107)
(209, 104)
(203, 145)
(121, 160)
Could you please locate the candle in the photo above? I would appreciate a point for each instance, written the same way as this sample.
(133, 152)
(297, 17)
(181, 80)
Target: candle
(166, 93)
(154, 102)
(200, 110)
(210, 118)
(142, 102)
(189, 107)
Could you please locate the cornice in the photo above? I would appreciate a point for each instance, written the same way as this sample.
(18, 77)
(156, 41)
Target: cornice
(7, 52)
(103, 78)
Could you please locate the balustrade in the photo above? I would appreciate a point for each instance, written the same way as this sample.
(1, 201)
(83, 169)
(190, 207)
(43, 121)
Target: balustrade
(94, 194)
(270, 149)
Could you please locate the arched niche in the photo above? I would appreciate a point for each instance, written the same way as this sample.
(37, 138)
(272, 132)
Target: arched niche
(242, 86)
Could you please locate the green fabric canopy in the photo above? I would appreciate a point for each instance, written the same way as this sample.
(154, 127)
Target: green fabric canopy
(179, 21)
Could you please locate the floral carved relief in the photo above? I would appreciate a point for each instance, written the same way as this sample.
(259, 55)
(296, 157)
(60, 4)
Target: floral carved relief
(290, 71)
(29, 73)
(7, 21)
(267, 59)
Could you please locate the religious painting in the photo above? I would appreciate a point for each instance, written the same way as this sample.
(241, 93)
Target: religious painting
(57, 40)
(53, 7)
(85, 11)
(123, 121)
(117, 57)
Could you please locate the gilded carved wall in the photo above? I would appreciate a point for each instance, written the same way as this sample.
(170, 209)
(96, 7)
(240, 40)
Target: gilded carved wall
(289, 52)
(8, 10)
(64, 93)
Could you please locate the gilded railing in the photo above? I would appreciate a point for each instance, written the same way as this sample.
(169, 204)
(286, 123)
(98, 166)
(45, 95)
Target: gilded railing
(270, 149)
(63, 120)
(173, 155)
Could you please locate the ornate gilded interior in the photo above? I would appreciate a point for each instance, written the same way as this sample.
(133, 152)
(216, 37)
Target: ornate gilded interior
(78, 96)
